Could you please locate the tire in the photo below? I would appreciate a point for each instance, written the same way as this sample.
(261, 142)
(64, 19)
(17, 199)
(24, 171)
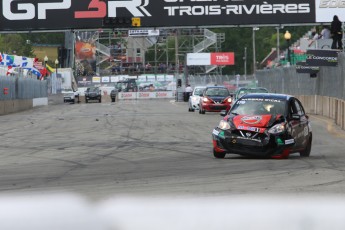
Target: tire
(86, 101)
(307, 150)
(219, 155)
(100, 100)
(112, 99)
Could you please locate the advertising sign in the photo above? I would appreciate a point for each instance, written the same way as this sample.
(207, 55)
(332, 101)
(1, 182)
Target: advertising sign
(302, 67)
(86, 14)
(210, 59)
(326, 9)
(143, 33)
(322, 57)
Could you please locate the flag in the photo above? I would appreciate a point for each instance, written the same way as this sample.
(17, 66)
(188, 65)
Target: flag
(9, 70)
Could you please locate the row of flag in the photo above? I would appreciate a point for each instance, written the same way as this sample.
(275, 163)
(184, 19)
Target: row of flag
(30, 64)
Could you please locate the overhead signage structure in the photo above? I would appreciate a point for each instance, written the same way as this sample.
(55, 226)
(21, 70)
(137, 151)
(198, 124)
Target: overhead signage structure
(322, 57)
(89, 14)
(194, 59)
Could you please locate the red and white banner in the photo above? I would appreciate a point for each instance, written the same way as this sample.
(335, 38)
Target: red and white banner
(227, 58)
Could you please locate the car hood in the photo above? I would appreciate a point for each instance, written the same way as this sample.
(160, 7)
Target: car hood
(217, 99)
(256, 121)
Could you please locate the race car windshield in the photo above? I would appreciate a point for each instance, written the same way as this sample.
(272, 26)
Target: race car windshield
(198, 91)
(217, 92)
(258, 106)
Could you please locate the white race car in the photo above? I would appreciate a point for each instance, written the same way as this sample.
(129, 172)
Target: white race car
(194, 99)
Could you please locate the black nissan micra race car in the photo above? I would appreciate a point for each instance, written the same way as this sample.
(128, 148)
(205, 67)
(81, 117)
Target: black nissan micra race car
(264, 125)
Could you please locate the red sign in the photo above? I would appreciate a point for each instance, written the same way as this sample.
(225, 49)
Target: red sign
(223, 58)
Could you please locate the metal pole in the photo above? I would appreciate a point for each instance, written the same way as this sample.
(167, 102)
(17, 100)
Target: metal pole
(289, 55)
(254, 59)
(278, 45)
(245, 63)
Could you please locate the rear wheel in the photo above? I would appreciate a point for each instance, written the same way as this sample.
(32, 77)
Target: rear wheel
(113, 99)
(86, 101)
(307, 150)
(100, 100)
(218, 154)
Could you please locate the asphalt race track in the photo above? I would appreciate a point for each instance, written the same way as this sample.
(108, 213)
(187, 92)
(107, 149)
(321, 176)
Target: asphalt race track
(156, 148)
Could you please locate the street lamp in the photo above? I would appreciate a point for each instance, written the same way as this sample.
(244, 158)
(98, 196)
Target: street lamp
(56, 66)
(254, 54)
(287, 37)
(45, 60)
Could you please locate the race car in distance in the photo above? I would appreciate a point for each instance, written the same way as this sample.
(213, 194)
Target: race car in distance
(194, 99)
(264, 125)
(215, 99)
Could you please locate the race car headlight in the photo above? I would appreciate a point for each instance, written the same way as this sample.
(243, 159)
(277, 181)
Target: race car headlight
(279, 128)
(224, 125)
(229, 100)
(194, 99)
(205, 99)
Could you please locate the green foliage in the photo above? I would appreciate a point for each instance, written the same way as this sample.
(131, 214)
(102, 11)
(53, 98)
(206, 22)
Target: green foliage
(21, 44)
(236, 39)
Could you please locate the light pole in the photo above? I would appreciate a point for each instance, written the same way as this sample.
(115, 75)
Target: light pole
(45, 61)
(287, 37)
(278, 45)
(56, 66)
(245, 63)
(254, 52)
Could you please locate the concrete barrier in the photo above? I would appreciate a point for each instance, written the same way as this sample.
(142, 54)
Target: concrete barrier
(329, 107)
(13, 106)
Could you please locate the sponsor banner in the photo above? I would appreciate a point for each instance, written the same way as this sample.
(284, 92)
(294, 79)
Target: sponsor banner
(146, 95)
(210, 59)
(326, 9)
(322, 57)
(85, 53)
(86, 14)
(222, 59)
(302, 67)
(96, 79)
(198, 59)
(143, 33)
(127, 95)
(105, 79)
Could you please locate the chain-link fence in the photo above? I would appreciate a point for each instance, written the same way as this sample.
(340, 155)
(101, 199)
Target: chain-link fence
(329, 81)
(12, 88)
(232, 82)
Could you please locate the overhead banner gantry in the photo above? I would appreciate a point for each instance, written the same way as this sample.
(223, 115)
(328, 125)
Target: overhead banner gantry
(24, 15)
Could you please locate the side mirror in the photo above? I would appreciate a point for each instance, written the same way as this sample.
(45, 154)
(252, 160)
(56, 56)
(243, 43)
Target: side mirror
(223, 113)
(296, 116)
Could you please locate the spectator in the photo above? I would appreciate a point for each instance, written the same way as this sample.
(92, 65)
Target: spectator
(325, 33)
(189, 89)
(336, 33)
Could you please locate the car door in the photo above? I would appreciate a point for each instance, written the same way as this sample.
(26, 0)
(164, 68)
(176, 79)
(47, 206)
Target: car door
(297, 122)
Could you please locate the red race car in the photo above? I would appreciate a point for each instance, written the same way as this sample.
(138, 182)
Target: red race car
(215, 99)
(264, 125)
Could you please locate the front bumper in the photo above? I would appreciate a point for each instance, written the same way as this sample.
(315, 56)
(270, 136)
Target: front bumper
(215, 107)
(265, 145)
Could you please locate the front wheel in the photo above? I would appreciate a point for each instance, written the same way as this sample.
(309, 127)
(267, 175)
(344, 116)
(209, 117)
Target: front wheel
(307, 150)
(220, 155)
(113, 99)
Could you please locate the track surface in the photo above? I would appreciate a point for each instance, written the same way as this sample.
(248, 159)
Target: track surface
(151, 147)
